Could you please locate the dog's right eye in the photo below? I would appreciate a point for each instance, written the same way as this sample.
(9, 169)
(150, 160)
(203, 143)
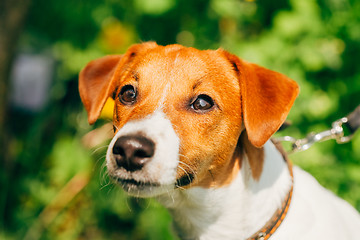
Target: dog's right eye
(127, 95)
(202, 103)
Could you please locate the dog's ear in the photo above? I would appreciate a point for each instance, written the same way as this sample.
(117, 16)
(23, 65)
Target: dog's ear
(99, 79)
(96, 84)
(267, 97)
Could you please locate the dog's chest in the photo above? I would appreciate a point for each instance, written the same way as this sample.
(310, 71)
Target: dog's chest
(208, 213)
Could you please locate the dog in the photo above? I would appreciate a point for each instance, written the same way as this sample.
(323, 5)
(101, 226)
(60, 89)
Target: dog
(192, 128)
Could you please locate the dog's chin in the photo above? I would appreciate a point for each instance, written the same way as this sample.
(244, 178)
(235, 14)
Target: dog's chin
(143, 189)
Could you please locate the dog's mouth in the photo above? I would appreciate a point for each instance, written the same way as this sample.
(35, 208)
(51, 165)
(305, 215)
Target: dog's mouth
(142, 189)
(132, 183)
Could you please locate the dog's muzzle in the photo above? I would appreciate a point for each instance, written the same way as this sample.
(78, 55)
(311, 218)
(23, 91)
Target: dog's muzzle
(143, 156)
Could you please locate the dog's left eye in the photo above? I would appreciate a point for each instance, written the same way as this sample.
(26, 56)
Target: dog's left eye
(127, 95)
(202, 103)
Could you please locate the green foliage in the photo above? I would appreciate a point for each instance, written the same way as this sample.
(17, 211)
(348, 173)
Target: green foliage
(314, 42)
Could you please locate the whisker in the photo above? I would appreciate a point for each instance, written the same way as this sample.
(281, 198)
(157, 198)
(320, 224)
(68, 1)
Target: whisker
(187, 165)
(138, 195)
(99, 159)
(170, 195)
(148, 201)
(99, 148)
(104, 177)
(111, 188)
(190, 168)
(181, 188)
(104, 186)
(187, 174)
(127, 204)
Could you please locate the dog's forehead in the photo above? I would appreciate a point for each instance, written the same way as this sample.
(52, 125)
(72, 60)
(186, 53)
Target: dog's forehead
(175, 64)
(181, 66)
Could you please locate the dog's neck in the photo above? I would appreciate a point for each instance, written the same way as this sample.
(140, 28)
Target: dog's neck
(236, 211)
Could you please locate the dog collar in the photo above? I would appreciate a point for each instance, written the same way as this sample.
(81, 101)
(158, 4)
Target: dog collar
(275, 221)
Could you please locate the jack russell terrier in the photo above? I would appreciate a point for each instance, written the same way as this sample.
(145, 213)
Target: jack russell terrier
(192, 128)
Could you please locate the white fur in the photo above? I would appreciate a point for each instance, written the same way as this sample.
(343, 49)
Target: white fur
(238, 210)
(316, 213)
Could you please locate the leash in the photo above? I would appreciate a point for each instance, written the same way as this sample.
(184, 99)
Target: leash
(337, 132)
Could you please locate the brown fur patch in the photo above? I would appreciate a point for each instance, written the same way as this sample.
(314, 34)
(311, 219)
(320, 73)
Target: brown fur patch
(223, 175)
(255, 156)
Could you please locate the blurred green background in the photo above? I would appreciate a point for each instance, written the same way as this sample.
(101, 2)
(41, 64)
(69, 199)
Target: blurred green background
(52, 175)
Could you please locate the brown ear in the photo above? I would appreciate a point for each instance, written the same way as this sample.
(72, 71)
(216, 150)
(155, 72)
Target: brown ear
(267, 97)
(96, 84)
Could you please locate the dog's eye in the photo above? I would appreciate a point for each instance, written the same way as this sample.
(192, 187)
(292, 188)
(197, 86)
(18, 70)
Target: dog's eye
(127, 95)
(202, 103)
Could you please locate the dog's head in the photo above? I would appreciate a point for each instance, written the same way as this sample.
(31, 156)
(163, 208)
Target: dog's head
(179, 113)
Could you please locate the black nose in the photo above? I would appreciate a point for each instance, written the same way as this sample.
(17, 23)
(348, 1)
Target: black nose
(133, 152)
